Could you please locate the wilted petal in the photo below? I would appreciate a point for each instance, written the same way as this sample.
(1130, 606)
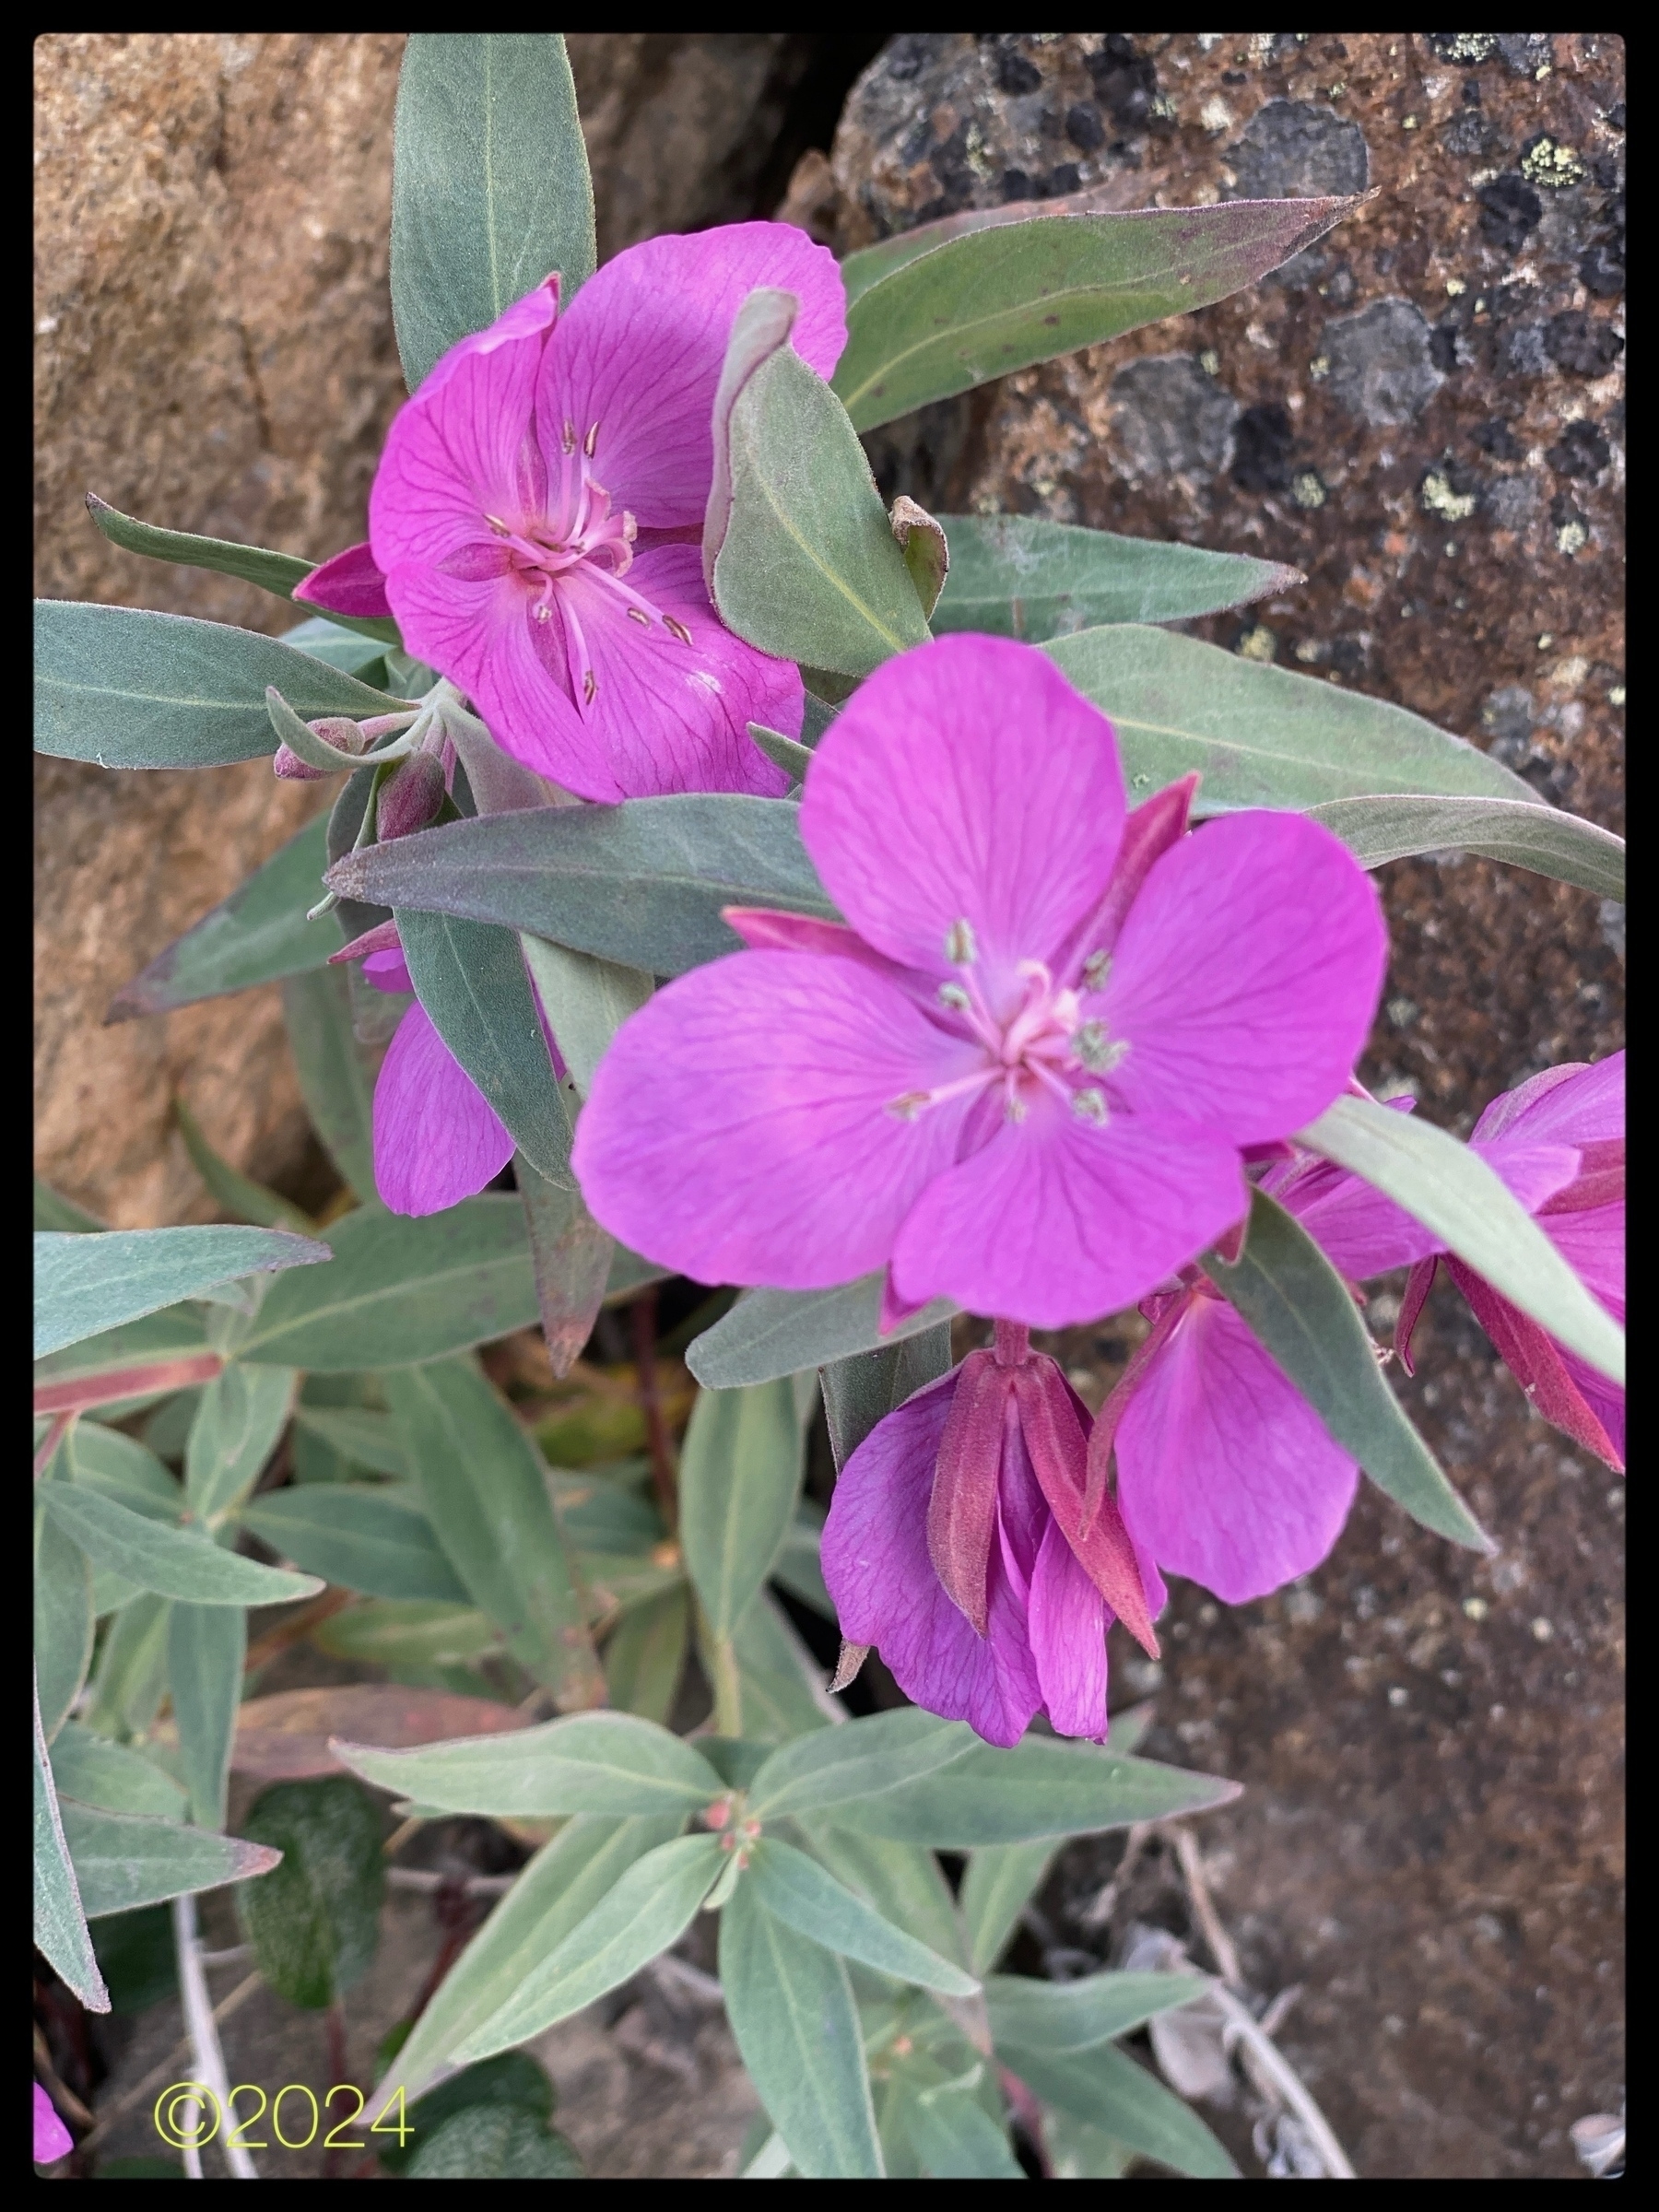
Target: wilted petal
(1540, 1365)
(962, 1507)
(437, 1138)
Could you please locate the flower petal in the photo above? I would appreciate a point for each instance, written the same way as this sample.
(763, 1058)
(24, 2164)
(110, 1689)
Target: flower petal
(640, 349)
(1067, 1623)
(1056, 1221)
(1361, 1232)
(1225, 1472)
(965, 780)
(738, 1129)
(1592, 1242)
(1580, 1104)
(437, 1138)
(351, 583)
(1245, 977)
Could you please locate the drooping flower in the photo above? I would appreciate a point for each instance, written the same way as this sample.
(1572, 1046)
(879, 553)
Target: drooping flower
(956, 1546)
(539, 511)
(51, 2138)
(1021, 1075)
(1576, 1113)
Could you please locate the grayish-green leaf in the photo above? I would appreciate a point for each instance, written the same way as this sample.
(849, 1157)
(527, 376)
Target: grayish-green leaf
(573, 1259)
(588, 1762)
(359, 1435)
(645, 1657)
(955, 2138)
(806, 1897)
(60, 1921)
(344, 641)
(1042, 1787)
(779, 1684)
(1000, 1882)
(490, 189)
(174, 1562)
(1079, 2152)
(239, 1421)
(52, 1210)
(129, 689)
(864, 1763)
(771, 1333)
(798, 1566)
(238, 1195)
(650, 1908)
(122, 1860)
(862, 1388)
(1075, 2015)
(1106, 2088)
(404, 1291)
(1540, 838)
(586, 1002)
(315, 1921)
(130, 1678)
(791, 2009)
(1300, 1309)
(1453, 1191)
(1261, 736)
(177, 1333)
(95, 1771)
(413, 1639)
(64, 1619)
(642, 883)
(740, 1476)
(334, 1078)
(902, 1881)
(470, 978)
(206, 1647)
(786, 753)
(86, 1283)
(486, 1494)
(358, 1537)
(984, 303)
(122, 1468)
(495, 2143)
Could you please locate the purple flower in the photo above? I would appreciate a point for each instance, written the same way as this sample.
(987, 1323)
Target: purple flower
(1023, 1078)
(959, 1546)
(1563, 1131)
(539, 511)
(351, 583)
(51, 2138)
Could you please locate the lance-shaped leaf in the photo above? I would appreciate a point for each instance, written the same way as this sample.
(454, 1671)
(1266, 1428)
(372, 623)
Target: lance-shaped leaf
(573, 1258)
(985, 303)
(239, 1194)
(115, 1779)
(402, 1292)
(1300, 1309)
(128, 688)
(130, 1678)
(490, 189)
(998, 1884)
(586, 1000)
(650, 1908)
(864, 1762)
(122, 1468)
(174, 1562)
(241, 1415)
(903, 1883)
(356, 1433)
(793, 758)
(1106, 2088)
(333, 1079)
(123, 1861)
(642, 884)
(315, 1925)
(206, 1650)
(358, 1536)
(951, 2131)
(326, 638)
(588, 1762)
(86, 1283)
(1453, 1191)
(1261, 736)
(554, 1894)
(1018, 576)
(740, 1476)
(792, 2012)
(52, 1210)
(808, 567)
(645, 1658)
(763, 323)
(273, 573)
(781, 1692)
(1075, 2015)
(808, 1898)
(257, 935)
(471, 980)
(63, 1621)
(922, 540)
(60, 1920)
(485, 1490)
(865, 1387)
(1540, 838)
(798, 1566)
(772, 1333)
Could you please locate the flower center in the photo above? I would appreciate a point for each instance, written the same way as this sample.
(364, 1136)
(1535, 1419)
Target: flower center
(1044, 1044)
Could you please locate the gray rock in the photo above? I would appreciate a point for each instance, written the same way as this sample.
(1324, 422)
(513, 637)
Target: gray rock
(1510, 502)
(1508, 716)
(1299, 149)
(1171, 417)
(1381, 365)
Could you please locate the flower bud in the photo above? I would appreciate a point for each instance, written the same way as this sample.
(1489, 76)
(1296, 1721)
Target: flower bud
(412, 796)
(337, 730)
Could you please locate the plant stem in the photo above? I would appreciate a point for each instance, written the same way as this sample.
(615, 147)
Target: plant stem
(207, 2055)
(1013, 1344)
(728, 1688)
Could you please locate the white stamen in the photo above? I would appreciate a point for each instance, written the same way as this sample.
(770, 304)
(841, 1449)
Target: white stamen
(1096, 969)
(589, 441)
(638, 613)
(960, 949)
(953, 995)
(907, 1108)
(1089, 1106)
(1097, 1052)
(676, 629)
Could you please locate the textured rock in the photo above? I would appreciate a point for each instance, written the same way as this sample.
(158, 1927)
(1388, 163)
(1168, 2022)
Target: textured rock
(1424, 412)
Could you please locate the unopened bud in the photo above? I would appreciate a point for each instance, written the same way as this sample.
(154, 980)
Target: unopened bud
(412, 796)
(292, 769)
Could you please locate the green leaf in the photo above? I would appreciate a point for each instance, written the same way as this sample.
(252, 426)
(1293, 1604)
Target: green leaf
(123, 1861)
(176, 1335)
(1042, 1787)
(486, 1494)
(650, 1908)
(955, 2138)
(791, 2009)
(588, 1762)
(1079, 2152)
(407, 1636)
(983, 304)
(470, 978)
(740, 1476)
(1018, 576)
(130, 1680)
(779, 1684)
(490, 189)
(1300, 1309)
(59, 1922)
(1261, 736)
(586, 1002)
(1000, 1880)
(334, 1078)
(344, 641)
(52, 1211)
(361, 1436)
(63, 1621)
(488, 2142)
(112, 1778)
(808, 1898)
(572, 1258)
(793, 758)
(128, 688)
(314, 1923)
(645, 1658)
(866, 1761)
(642, 884)
(1453, 1191)
(174, 1562)
(402, 1292)
(1540, 838)
(122, 1468)
(239, 1421)
(513, 2082)
(901, 1880)
(864, 1388)
(1065, 2016)
(807, 567)
(554, 1894)
(260, 935)
(772, 1333)
(1106, 2088)
(207, 1649)
(240, 1196)
(358, 1537)
(86, 1283)
(798, 1566)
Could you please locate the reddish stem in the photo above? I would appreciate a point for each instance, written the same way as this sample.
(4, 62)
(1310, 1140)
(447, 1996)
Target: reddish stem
(663, 1468)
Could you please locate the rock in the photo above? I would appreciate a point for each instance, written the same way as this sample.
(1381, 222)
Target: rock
(1378, 362)
(1299, 149)
(1170, 417)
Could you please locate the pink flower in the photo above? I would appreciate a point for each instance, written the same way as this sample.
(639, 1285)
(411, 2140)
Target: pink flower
(539, 511)
(1023, 1076)
(351, 583)
(1573, 1116)
(51, 2138)
(956, 1546)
